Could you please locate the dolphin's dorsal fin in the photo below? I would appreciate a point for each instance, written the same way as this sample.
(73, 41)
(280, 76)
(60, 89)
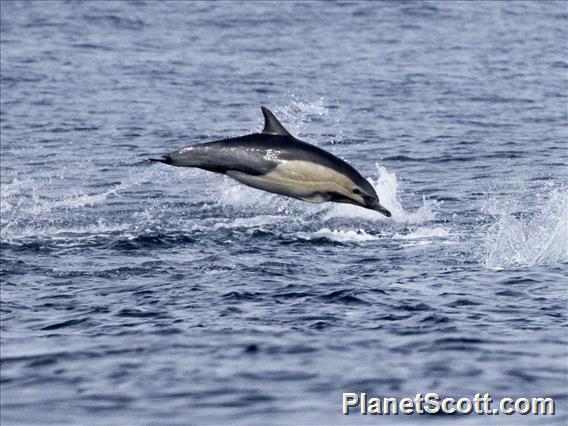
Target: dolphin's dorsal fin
(271, 124)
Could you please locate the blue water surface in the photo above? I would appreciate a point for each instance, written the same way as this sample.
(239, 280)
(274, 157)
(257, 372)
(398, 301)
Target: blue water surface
(138, 293)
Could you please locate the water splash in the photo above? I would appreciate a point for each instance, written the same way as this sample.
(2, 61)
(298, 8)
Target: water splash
(339, 235)
(44, 206)
(387, 187)
(300, 117)
(301, 110)
(518, 238)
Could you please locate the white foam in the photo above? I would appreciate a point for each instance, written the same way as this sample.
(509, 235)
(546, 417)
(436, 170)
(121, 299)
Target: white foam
(74, 201)
(250, 222)
(339, 235)
(517, 239)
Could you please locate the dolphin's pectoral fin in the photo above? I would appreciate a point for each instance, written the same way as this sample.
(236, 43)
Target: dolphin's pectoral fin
(271, 124)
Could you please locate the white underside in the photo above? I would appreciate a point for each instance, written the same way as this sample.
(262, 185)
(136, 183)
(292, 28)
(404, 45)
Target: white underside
(300, 179)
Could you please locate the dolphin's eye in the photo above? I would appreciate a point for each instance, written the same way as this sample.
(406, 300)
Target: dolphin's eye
(357, 191)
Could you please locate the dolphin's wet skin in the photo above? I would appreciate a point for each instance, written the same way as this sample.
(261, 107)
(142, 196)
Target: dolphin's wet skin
(138, 293)
(275, 161)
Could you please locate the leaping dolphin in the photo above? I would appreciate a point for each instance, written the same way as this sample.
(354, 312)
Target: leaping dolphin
(275, 161)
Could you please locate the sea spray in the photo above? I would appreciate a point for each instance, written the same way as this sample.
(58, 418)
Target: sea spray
(520, 238)
(387, 187)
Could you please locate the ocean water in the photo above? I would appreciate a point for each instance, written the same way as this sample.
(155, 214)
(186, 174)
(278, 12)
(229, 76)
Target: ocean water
(137, 293)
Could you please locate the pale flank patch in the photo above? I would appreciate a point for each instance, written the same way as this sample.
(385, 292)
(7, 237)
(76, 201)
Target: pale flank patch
(300, 179)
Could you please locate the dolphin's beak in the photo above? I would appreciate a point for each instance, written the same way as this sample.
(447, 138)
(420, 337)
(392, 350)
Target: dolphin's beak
(382, 210)
(373, 204)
